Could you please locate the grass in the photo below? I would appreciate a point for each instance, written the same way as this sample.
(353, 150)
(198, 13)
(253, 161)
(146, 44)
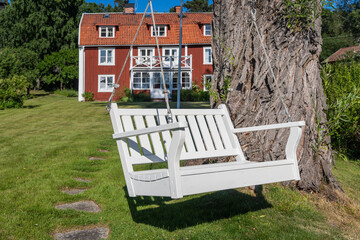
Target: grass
(48, 143)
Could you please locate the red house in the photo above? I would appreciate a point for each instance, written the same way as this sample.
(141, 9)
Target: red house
(105, 39)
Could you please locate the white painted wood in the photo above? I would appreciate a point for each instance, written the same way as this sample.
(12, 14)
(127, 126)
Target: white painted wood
(155, 137)
(207, 133)
(214, 132)
(123, 149)
(230, 128)
(190, 147)
(269, 127)
(131, 132)
(166, 134)
(223, 132)
(81, 88)
(132, 141)
(198, 141)
(144, 139)
(174, 163)
(204, 129)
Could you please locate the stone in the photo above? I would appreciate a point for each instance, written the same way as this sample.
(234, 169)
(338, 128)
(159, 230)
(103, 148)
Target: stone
(96, 158)
(74, 191)
(82, 180)
(87, 234)
(103, 150)
(86, 206)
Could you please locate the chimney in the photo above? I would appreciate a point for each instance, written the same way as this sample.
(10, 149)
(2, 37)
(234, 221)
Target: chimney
(177, 9)
(129, 8)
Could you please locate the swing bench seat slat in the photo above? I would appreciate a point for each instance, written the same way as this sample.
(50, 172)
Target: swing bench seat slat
(144, 137)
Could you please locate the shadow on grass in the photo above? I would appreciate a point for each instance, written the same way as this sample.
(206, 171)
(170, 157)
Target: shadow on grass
(31, 106)
(156, 104)
(172, 215)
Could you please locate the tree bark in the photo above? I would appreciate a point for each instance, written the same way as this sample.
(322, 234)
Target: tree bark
(254, 99)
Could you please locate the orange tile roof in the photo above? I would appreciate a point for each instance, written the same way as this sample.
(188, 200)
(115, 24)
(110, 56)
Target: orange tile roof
(342, 53)
(127, 24)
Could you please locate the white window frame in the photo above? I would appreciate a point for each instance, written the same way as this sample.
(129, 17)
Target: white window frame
(141, 83)
(204, 80)
(159, 26)
(206, 30)
(204, 56)
(145, 60)
(190, 80)
(107, 31)
(106, 76)
(112, 63)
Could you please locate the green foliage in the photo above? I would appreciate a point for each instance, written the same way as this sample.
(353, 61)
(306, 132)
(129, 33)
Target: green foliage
(12, 91)
(198, 6)
(67, 92)
(92, 7)
(342, 88)
(18, 61)
(223, 91)
(43, 26)
(89, 96)
(60, 68)
(193, 95)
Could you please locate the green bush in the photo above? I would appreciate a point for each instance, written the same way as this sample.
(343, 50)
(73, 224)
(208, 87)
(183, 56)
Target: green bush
(89, 96)
(127, 96)
(342, 88)
(13, 91)
(192, 95)
(141, 97)
(67, 93)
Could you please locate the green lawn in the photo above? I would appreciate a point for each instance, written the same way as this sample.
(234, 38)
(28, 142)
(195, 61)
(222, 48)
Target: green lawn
(48, 143)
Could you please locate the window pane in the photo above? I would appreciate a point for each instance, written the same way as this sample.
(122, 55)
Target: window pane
(207, 30)
(156, 80)
(208, 55)
(146, 80)
(110, 32)
(185, 82)
(102, 83)
(103, 32)
(109, 55)
(175, 79)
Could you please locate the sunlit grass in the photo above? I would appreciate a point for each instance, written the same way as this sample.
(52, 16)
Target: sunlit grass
(48, 143)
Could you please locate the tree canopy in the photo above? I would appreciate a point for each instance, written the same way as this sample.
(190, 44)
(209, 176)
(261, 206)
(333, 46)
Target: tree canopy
(198, 6)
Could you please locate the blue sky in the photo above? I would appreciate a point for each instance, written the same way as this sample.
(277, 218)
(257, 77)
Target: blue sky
(159, 5)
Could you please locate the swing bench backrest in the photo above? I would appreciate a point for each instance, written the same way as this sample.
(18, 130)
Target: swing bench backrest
(144, 136)
(208, 135)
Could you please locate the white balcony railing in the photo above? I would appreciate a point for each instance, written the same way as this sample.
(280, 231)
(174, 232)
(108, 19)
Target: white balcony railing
(168, 62)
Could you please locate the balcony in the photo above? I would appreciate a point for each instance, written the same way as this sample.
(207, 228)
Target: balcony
(168, 62)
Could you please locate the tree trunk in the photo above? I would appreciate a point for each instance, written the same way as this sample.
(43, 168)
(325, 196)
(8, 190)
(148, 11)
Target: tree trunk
(254, 99)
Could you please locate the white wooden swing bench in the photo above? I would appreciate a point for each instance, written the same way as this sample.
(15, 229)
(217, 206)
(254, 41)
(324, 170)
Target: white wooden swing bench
(143, 136)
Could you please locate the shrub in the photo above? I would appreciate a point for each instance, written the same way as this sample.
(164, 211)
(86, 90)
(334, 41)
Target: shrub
(342, 89)
(89, 96)
(141, 97)
(13, 91)
(192, 95)
(67, 93)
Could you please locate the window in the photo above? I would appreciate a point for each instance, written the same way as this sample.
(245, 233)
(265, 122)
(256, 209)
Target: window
(141, 80)
(106, 83)
(146, 54)
(107, 32)
(185, 80)
(207, 55)
(207, 78)
(157, 82)
(207, 30)
(161, 31)
(106, 56)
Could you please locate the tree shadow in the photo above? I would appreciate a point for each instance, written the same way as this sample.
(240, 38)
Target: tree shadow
(31, 106)
(172, 215)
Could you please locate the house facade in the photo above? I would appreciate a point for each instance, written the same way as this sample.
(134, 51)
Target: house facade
(105, 40)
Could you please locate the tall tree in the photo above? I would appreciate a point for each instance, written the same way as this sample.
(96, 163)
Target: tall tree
(198, 6)
(255, 99)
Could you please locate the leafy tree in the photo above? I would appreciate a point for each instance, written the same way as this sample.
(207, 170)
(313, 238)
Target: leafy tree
(12, 91)
(172, 9)
(198, 6)
(43, 26)
(60, 68)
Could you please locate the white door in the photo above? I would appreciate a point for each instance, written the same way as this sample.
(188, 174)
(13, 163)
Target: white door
(170, 57)
(157, 90)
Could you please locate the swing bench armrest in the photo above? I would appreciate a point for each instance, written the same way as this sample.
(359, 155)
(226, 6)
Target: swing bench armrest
(160, 128)
(269, 127)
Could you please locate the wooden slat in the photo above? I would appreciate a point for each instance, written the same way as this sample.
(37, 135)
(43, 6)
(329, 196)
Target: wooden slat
(166, 134)
(223, 132)
(188, 140)
(134, 146)
(144, 139)
(269, 127)
(205, 133)
(163, 112)
(196, 133)
(155, 137)
(214, 132)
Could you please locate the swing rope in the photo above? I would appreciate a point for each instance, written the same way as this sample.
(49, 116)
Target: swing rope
(166, 92)
(253, 17)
